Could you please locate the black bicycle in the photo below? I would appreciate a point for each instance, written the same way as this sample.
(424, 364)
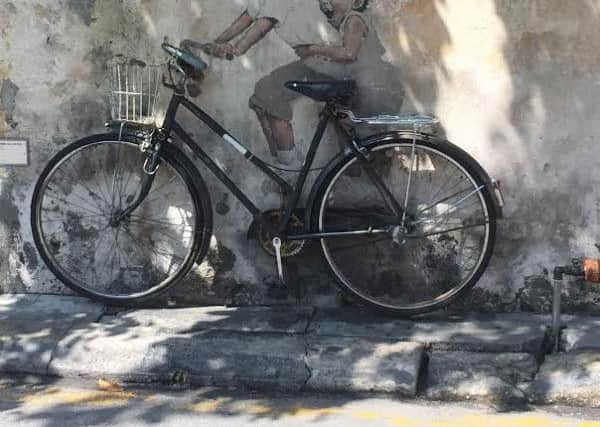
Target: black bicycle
(406, 220)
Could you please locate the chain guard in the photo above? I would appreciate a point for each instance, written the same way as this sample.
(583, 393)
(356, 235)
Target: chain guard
(289, 248)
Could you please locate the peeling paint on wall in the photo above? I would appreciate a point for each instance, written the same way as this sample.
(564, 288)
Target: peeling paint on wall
(9, 233)
(84, 9)
(8, 94)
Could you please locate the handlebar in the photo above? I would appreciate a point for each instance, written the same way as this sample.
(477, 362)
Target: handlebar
(185, 56)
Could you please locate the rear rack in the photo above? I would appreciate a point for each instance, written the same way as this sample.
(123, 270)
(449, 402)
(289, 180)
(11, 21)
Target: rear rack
(408, 120)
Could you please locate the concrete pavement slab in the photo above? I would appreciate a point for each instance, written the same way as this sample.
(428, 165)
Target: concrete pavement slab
(32, 325)
(244, 319)
(363, 365)
(485, 333)
(222, 358)
(461, 375)
(569, 378)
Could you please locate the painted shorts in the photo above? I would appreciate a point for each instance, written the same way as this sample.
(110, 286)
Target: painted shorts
(272, 97)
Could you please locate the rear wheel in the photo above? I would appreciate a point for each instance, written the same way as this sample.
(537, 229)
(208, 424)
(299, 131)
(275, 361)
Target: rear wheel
(420, 258)
(76, 200)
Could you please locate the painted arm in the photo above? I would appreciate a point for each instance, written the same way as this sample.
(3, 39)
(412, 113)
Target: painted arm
(346, 53)
(255, 32)
(236, 28)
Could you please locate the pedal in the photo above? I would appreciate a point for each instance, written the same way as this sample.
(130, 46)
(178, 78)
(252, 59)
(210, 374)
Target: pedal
(277, 247)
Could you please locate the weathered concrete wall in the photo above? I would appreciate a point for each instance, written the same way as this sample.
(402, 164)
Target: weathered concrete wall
(515, 83)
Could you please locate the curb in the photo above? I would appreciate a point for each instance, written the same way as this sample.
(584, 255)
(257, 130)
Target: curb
(485, 358)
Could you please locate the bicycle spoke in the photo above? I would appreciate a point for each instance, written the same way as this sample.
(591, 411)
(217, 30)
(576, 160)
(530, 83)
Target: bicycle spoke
(126, 186)
(445, 199)
(384, 192)
(91, 196)
(165, 231)
(157, 190)
(167, 235)
(64, 201)
(435, 233)
(445, 187)
(68, 178)
(362, 243)
(62, 219)
(410, 173)
(451, 209)
(155, 250)
(138, 219)
(116, 160)
(76, 175)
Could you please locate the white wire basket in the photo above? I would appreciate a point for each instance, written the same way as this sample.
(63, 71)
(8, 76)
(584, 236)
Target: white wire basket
(135, 88)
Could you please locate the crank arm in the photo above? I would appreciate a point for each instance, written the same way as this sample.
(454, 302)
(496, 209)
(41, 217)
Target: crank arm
(277, 246)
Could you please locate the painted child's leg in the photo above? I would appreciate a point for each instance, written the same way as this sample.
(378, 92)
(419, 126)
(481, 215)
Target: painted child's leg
(265, 125)
(283, 132)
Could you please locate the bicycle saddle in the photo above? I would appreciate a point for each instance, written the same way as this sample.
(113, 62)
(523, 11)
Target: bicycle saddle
(338, 91)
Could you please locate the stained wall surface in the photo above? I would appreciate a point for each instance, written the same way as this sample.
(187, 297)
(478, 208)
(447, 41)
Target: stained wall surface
(515, 83)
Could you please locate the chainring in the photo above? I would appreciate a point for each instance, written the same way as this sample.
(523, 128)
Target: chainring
(289, 248)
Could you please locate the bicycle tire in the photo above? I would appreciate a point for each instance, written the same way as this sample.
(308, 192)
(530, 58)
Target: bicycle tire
(456, 157)
(173, 160)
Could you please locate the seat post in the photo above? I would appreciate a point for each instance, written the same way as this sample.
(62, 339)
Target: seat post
(324, 118)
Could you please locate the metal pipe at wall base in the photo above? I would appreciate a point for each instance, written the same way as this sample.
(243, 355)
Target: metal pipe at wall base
(586, 269)
(556, 314)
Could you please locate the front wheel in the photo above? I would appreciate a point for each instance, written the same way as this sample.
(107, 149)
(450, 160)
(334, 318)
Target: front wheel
(423, 224)
(77, 230)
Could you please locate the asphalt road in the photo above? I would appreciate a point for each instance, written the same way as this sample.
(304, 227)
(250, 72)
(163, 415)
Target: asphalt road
(29, 402)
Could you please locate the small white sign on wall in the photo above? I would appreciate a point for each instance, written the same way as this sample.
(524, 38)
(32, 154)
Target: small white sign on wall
(13, 152)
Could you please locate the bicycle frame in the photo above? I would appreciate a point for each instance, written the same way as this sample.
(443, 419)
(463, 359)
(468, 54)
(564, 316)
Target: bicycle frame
(171, 125)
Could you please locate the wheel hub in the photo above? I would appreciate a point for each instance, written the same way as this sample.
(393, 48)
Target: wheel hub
(115, 219)
(399, 235)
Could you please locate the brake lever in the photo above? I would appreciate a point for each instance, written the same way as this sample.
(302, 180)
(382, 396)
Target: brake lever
(174, 64)
(166, 83)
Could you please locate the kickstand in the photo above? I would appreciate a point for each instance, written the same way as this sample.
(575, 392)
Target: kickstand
(277, 246)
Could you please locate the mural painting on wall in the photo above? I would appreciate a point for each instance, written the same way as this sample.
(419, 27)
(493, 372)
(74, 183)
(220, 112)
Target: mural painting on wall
(390, 215)
(333, 39)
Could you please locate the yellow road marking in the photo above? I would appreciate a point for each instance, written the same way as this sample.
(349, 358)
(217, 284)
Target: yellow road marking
(208, 406)
(79, 397)
(490, 420)
(404, 422)
(310, 412)
(259, 409)
(55, 396)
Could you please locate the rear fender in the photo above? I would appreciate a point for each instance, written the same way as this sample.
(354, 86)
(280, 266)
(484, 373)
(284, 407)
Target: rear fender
(405, 136)
(491, 184)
